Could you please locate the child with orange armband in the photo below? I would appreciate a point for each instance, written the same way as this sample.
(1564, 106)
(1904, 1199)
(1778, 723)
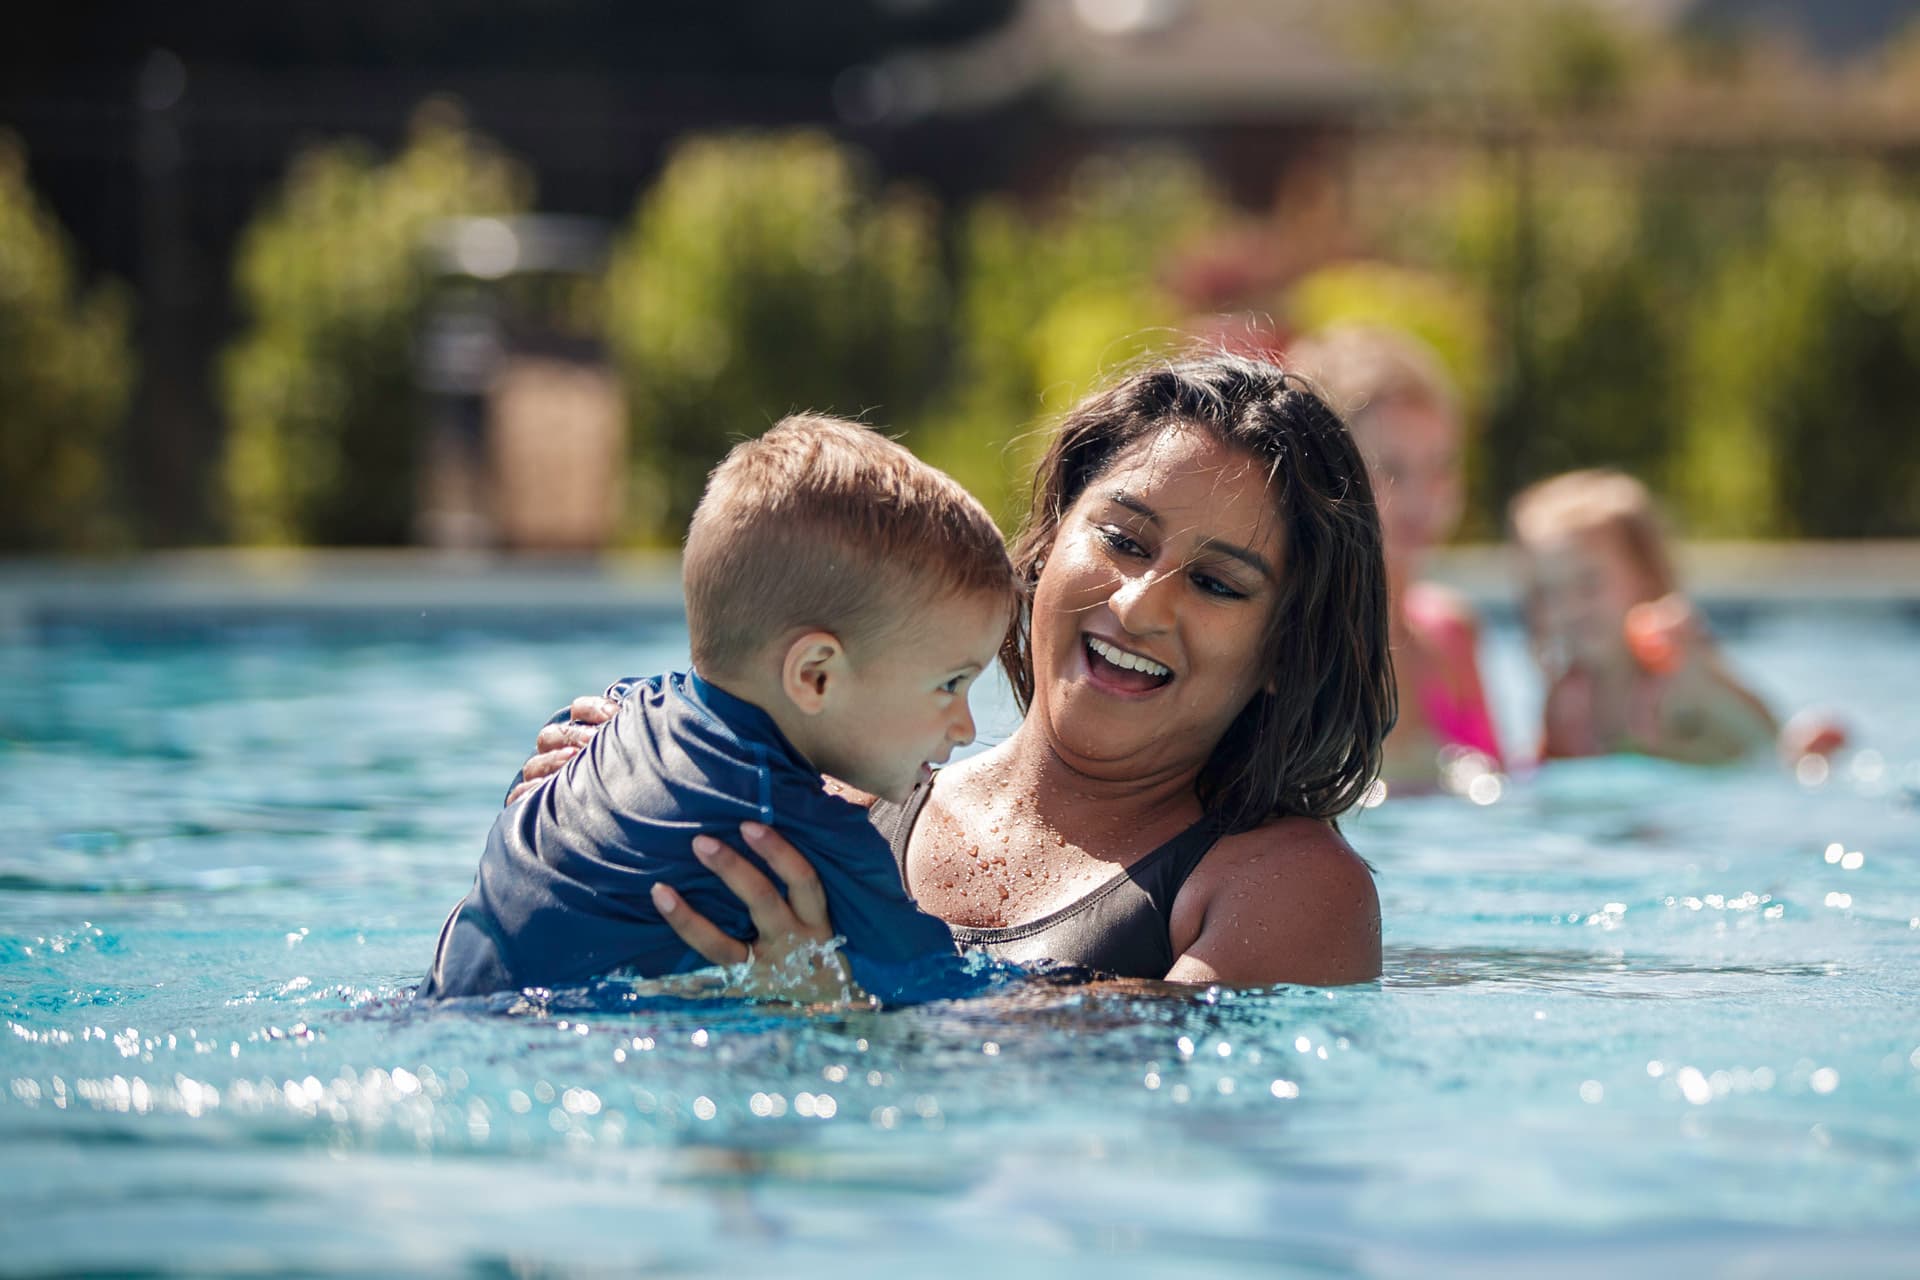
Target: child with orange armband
(1629, 664)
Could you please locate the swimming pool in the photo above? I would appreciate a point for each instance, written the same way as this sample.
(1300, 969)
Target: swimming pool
(1634, 1017)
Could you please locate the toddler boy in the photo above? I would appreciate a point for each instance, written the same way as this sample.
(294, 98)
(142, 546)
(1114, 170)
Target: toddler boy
(842, 597)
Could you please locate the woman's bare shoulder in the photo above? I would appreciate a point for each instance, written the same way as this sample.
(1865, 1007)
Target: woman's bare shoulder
(1289, 901)
(1289, 849)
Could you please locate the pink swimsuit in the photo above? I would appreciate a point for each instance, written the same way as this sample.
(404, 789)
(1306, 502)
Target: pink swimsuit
(1455, 721)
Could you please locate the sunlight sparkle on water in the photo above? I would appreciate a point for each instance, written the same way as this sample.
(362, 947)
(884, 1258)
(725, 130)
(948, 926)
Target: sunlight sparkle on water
(264, 1028)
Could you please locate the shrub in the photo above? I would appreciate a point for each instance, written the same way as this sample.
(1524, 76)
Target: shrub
(1444, 313)
(1805, 368)
(319, 391)
(762, 274)
(1590, 291)
(1051, 300)
(66, 371)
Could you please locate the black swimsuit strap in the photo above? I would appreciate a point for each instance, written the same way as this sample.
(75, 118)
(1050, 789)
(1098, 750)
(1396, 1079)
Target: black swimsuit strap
(1122, 926)
(1160, 874)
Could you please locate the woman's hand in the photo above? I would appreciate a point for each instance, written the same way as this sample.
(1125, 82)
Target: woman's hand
(789, 957)
(559, 743)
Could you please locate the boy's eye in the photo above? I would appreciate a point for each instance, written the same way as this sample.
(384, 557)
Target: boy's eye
(953, 685)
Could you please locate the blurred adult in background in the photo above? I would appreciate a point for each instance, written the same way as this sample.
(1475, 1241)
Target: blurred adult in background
(1405, 415)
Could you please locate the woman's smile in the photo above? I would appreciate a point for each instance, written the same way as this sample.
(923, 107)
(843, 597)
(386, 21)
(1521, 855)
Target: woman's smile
(1123, 672)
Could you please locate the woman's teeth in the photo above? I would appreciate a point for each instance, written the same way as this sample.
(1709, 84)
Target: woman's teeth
(1131, 662)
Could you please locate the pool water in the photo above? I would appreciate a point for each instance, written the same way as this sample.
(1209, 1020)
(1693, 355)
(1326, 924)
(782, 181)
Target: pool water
(1634, 1017)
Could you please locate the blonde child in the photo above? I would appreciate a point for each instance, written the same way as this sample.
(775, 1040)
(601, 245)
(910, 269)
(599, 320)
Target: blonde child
(1628, 663)
(1405, 415)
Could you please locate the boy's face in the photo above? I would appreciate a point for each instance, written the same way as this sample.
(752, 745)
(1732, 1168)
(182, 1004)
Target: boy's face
(1580, 587)
(904, 705)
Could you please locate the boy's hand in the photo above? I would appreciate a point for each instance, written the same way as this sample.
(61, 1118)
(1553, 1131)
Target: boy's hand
(559, 743)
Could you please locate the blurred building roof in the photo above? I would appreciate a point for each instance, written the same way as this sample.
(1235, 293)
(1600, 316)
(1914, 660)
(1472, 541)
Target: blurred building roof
(1146, 62)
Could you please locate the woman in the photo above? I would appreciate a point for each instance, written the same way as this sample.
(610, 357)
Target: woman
(1204, 675)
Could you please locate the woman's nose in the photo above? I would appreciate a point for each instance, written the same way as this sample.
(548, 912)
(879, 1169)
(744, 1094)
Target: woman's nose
(1142, 604)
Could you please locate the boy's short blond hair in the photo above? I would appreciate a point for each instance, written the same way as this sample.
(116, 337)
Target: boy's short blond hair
(1598, 500)
(1365, 367)
(824, 523)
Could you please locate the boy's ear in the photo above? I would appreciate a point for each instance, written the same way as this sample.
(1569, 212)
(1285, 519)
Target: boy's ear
(810, 668)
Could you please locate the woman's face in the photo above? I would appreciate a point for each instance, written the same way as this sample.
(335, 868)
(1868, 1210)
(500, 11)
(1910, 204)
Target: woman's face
(1151, 608)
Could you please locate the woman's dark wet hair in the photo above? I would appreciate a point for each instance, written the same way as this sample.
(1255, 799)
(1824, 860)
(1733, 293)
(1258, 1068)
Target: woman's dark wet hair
(1312, 747)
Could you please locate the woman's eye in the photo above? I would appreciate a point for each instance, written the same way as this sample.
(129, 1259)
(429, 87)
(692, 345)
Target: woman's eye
(1119, 541)
(1217, 587)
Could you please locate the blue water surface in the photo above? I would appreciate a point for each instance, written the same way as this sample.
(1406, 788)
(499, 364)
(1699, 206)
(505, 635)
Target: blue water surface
(1635, 1017)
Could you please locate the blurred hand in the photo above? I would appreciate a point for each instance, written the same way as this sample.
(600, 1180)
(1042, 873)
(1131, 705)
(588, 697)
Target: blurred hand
(558, 743)
(1813, 732)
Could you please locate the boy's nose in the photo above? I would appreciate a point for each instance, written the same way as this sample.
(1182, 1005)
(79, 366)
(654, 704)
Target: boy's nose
(960, 732)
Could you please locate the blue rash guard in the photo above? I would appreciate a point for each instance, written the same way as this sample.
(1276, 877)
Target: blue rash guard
(562, 895)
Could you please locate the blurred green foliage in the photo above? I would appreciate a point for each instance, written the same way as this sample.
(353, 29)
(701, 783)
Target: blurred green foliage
(66, 371)
(1443, 311)
(1052, 299)
(1589, 317)
(1804, 367)
(323, 418)
(1746, 340)
(759, 275)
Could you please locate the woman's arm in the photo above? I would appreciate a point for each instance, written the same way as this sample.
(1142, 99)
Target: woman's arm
(1287, 902)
